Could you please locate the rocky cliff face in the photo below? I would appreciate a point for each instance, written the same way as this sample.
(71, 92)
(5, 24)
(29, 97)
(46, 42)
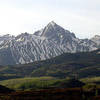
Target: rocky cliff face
(49, 42)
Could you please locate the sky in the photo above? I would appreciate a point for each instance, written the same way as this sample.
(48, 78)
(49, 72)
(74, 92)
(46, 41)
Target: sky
(79, 16)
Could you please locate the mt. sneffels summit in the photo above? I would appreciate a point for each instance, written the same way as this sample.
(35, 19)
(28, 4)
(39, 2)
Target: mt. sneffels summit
(49, 42)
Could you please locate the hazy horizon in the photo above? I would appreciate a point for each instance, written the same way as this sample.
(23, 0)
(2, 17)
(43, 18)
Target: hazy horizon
(80, 17)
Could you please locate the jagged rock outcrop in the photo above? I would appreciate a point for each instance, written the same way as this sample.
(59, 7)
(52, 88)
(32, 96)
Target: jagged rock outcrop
(49, 42)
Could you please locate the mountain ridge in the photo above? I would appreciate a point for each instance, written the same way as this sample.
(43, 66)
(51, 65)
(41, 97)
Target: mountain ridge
(51, 41)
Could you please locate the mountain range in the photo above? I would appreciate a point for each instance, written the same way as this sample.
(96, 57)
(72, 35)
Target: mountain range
(49, 42)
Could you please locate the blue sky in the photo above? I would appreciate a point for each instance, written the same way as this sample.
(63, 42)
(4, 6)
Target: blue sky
(80, 16)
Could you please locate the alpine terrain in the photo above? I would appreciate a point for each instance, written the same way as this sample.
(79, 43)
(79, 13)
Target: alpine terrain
(44, 44)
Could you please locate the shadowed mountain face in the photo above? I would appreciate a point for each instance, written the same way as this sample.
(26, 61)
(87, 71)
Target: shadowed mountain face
(44, 44)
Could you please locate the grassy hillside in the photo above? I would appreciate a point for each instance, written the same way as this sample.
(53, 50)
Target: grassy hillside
(81, 65)
(31, 83)
(41, 83)
(91, 80)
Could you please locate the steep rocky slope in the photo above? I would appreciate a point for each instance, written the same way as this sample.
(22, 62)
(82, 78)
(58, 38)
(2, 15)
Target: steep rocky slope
(49, 42)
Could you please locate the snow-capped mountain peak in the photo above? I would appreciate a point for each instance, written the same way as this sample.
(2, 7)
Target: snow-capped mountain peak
(96, 39)
(51, 41)
(52, 23)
